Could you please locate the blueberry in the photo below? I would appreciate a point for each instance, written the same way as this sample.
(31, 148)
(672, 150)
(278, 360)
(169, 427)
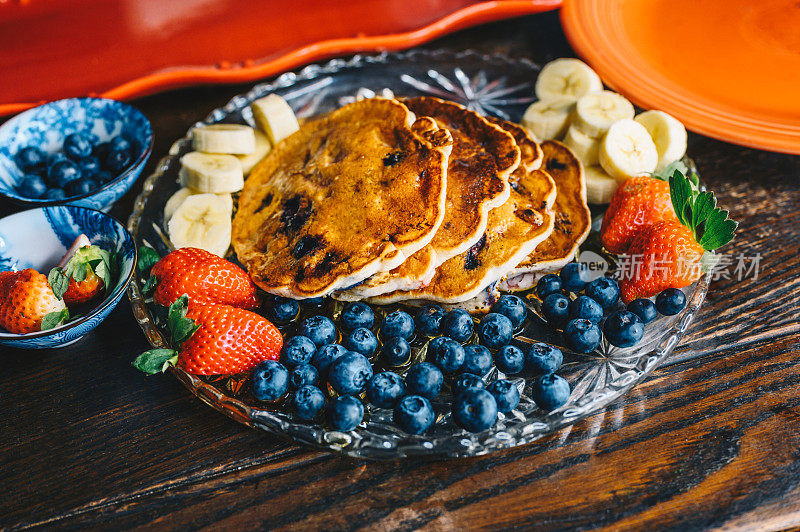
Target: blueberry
(457, 324)
(543, 358)
(397, 323)
(466, 381)
(313, 302)
(475, 410)
(319, 329)
(513, 308)
(308, 402)
(117, 161)
(623, 329)
(424, 379)
(670, 301)
(270, 381)
(355, 315)
(505, 394)
(428, 320)
(54, 158)
(495, 330)
(77, 146)
(90, 166)
(395, 351)
(282, 310)
(385, 389)
(582, 336)
(414, 414)
(604, 290)
(449, 357)
(644, 308)
(550, 391)
(62, 172)
(32, 186)
(55, 194)
(297, 350)
(509, 359)
(555, 309)
(350, 373)
(548, 284)
(325, 355)
(362, 341)
(345, 413)
(574, 276)
(477, 360)
(101, 150)
(585, 308)
(434, 344)
(120, 143)
(303, 374)
(103, 176)
(30, 159)
(79, 187)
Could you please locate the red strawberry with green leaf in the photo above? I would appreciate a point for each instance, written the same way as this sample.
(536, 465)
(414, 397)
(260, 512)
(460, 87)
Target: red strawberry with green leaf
(83, 273)
(28, 304)
(204, 277)
(213, 339)
(669, 253)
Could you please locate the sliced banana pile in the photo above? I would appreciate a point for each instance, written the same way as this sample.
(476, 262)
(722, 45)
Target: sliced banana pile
(199, 214)
(599, 126)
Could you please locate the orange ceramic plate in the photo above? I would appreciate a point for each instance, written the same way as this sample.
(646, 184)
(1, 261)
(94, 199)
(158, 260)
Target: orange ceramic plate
(729, 69)
(127, 48)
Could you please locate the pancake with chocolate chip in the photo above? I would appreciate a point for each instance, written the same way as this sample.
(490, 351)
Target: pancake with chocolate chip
(513, 231)
(353, 193)
(573, 219)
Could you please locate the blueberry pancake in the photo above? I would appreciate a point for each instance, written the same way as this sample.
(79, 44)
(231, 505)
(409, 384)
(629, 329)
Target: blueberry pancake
(417, 271)
(344, 197)
(513, 231)
(572, 224)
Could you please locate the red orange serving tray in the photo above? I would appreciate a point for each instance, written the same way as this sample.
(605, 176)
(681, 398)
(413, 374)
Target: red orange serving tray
(127, 48)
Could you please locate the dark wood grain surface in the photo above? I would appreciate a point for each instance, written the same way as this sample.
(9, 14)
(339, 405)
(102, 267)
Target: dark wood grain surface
(707, 442)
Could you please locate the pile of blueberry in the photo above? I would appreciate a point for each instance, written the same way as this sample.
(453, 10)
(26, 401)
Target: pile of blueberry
(591, 315)
(82, 166)
(315, 370)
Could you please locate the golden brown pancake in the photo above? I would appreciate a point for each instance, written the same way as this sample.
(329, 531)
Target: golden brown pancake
(483, 157)
(572, 221)
(531, 154)
(513, 231)
(348, 195)
(417, 271)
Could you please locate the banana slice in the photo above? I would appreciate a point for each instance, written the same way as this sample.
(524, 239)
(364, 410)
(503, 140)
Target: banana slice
(594, 113)
(202, 221)
(261, 150)
(274, 117)
(600, 186)
(566, 77)
(209, 172)
(668, 134)
(627, 150)
(548, 119)
(234, 139)
(177, 199)
(586, 148)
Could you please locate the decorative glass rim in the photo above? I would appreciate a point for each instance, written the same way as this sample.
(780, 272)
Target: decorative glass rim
(385, 441)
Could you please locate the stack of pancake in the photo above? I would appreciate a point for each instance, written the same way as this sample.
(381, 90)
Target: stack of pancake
(416, 199)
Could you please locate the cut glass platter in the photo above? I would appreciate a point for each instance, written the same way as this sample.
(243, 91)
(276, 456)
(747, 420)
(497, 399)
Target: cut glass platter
(492, 85)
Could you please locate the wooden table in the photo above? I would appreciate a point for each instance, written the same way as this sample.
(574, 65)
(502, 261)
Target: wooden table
(708, 442)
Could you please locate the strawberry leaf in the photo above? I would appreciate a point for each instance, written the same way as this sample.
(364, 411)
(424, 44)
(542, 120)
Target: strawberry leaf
(54, 319)
(704, 204)
(667, 172)
(58, 282)
(698, 211)
(719, 230)
(681, 195)
(149, 285)
(156, 360)
(79, 274)
(180, 327)
(147, 259)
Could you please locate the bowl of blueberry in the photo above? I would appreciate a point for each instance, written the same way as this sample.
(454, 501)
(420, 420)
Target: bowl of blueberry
(81, 151)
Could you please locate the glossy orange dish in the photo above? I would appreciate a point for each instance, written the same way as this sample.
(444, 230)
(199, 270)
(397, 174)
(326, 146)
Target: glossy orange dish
(729, 69)
(126, 48)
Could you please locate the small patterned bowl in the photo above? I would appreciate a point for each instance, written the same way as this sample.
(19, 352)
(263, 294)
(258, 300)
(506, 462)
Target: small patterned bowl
(47, 125)
(38, 238)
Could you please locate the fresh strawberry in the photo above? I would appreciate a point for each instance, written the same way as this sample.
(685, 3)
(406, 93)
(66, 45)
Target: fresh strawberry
(204, 277)
(212, 339)
(28, 304)
(83, 273)
(668, 254)
(637, 203)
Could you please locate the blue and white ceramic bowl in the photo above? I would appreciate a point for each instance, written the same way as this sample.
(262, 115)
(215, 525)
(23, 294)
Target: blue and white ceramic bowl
(46, 127)
(38, 238)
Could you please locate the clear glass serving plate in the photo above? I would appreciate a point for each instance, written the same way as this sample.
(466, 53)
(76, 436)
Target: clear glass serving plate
(493, 85)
